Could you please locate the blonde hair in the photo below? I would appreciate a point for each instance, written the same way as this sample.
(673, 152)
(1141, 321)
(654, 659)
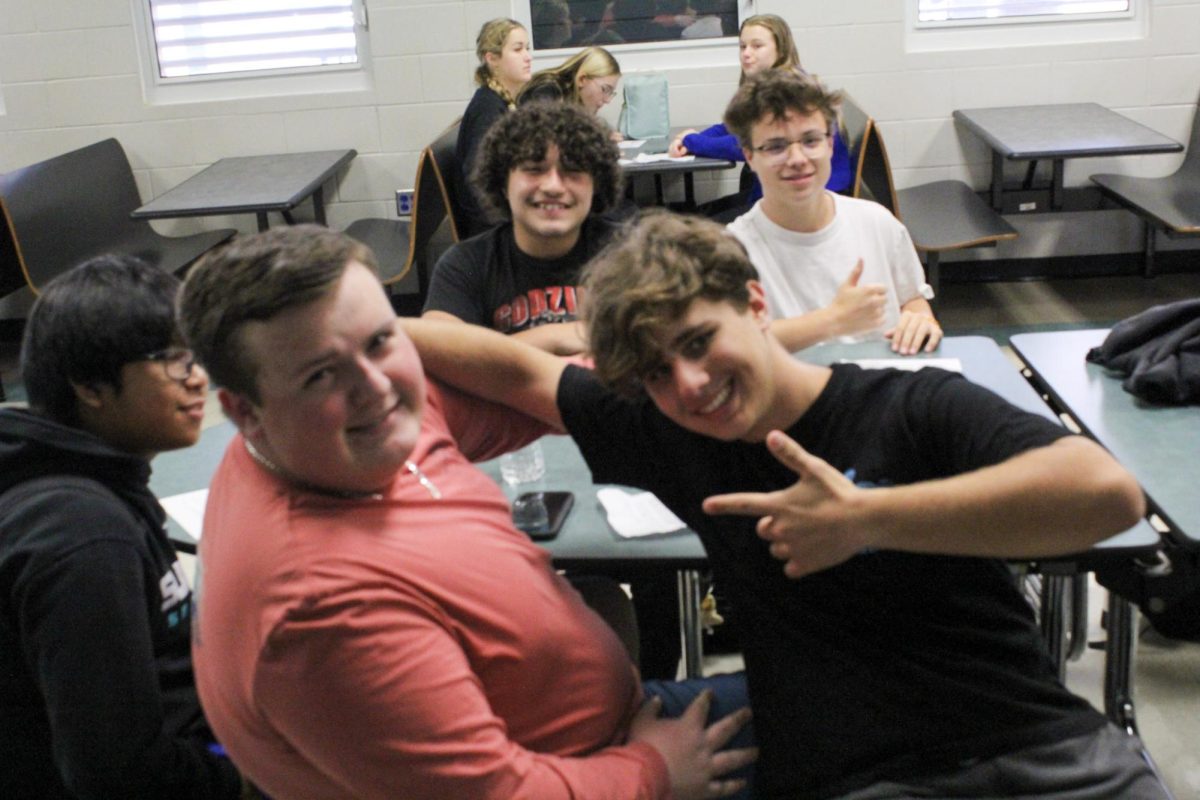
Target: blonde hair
(590, 62)
(491, 39)
(786, 54)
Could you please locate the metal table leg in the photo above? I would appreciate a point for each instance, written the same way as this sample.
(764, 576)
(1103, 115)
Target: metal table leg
(689, 622)
(1118, 667)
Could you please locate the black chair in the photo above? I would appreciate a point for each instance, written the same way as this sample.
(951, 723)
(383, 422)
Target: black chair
(940, 216)
(1170, 203)
(400, 246)
(445, 162)
(67, 209)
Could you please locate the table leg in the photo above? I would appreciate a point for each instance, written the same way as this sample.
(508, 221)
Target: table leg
(689, 622)
(689, 190)
(1118, 663)
(261, 217)
(319, 205)
(997, 181)
(659, 196)
(1056, 184)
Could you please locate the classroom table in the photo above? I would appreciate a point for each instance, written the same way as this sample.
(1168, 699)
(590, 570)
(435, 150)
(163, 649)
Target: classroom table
(687, 167)
(1159, 444)
(252, 184)
(1057, 132)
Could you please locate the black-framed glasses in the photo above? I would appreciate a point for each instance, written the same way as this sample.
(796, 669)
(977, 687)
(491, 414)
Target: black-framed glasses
(177, 361)
(776, 150)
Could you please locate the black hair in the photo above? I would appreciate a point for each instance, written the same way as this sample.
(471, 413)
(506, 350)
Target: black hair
(88, 323)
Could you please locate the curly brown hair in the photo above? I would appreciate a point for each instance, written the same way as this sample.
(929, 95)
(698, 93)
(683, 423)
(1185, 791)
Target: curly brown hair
(524, 135)
(646, 279)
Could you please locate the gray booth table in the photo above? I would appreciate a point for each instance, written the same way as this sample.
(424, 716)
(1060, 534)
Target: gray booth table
(252, 185)
(1057, 132)
(659, 168)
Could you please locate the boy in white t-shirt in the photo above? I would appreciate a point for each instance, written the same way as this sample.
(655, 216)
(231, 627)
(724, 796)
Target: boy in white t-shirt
(832, 266)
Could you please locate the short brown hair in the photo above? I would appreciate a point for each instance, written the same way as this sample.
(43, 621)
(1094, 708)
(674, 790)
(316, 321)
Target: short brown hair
(646, 279)
(252, 279)
(772, 95)
(523, 136)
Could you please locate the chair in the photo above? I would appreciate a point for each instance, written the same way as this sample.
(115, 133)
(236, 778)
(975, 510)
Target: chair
(1171, 203)
(67, 209)
(399, 246)
(854, 123)
(445, 165)
(940, 216)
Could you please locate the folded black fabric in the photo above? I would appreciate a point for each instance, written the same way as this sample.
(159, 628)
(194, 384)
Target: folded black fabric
(1158, 351)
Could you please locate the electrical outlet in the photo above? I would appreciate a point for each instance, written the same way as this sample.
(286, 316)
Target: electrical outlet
(404, 202)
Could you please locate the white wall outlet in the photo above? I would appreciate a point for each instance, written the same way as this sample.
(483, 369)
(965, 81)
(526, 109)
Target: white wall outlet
(404, 202)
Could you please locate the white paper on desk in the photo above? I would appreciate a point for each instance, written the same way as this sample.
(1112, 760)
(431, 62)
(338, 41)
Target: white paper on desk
(637, 514)
(188, 510)
(630, 144)
(910, 364)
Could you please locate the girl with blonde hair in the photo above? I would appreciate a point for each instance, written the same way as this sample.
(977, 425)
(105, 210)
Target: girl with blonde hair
(505, 63)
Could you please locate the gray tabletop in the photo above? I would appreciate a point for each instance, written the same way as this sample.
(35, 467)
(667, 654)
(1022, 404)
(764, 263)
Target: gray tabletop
(1158, 444)
(1069, 130)
(249, 184)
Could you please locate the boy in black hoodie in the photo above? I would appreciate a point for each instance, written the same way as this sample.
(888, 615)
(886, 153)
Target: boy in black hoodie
(96, 690)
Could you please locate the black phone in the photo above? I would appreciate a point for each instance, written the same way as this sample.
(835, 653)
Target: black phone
(558, 505)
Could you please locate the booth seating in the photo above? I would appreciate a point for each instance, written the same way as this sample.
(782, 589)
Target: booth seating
(69, 208)
(940, 216)
(1170, 203)
(401, 245)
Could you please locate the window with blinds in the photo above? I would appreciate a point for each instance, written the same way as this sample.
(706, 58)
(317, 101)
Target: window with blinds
(195, 38)
(973, 12)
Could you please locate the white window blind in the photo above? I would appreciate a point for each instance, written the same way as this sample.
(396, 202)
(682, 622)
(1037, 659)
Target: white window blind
(935, 11)
(212, 37)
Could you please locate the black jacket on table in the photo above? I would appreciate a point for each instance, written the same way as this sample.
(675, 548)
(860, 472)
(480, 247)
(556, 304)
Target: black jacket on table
(96, 691)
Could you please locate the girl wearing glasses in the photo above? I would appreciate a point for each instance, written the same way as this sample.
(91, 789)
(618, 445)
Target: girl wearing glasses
(765, 42)
(505, 64)
(589, 79)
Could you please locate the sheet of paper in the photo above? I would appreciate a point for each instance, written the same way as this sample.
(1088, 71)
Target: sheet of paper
(637, 514)
(188, 510)
(630, 144)
(910, 364)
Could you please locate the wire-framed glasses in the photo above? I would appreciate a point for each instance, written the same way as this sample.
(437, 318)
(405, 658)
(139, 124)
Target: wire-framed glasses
(775, 150)
(177, 362)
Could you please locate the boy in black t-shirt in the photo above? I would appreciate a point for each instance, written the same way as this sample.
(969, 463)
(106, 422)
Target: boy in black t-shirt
(892, 655)
(550, 172)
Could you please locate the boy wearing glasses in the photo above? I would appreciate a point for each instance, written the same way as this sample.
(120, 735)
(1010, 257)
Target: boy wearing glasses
(832, 266)
(96, 689)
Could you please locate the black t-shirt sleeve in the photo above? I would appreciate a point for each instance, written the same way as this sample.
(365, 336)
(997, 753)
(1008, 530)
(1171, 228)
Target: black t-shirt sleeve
(85, 630)
(457, 284)
(592, 413)
(964, 426)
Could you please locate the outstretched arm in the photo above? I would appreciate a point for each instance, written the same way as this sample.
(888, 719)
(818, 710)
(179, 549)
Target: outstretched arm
(1052, 500)
(490, 365)
(855, 309)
